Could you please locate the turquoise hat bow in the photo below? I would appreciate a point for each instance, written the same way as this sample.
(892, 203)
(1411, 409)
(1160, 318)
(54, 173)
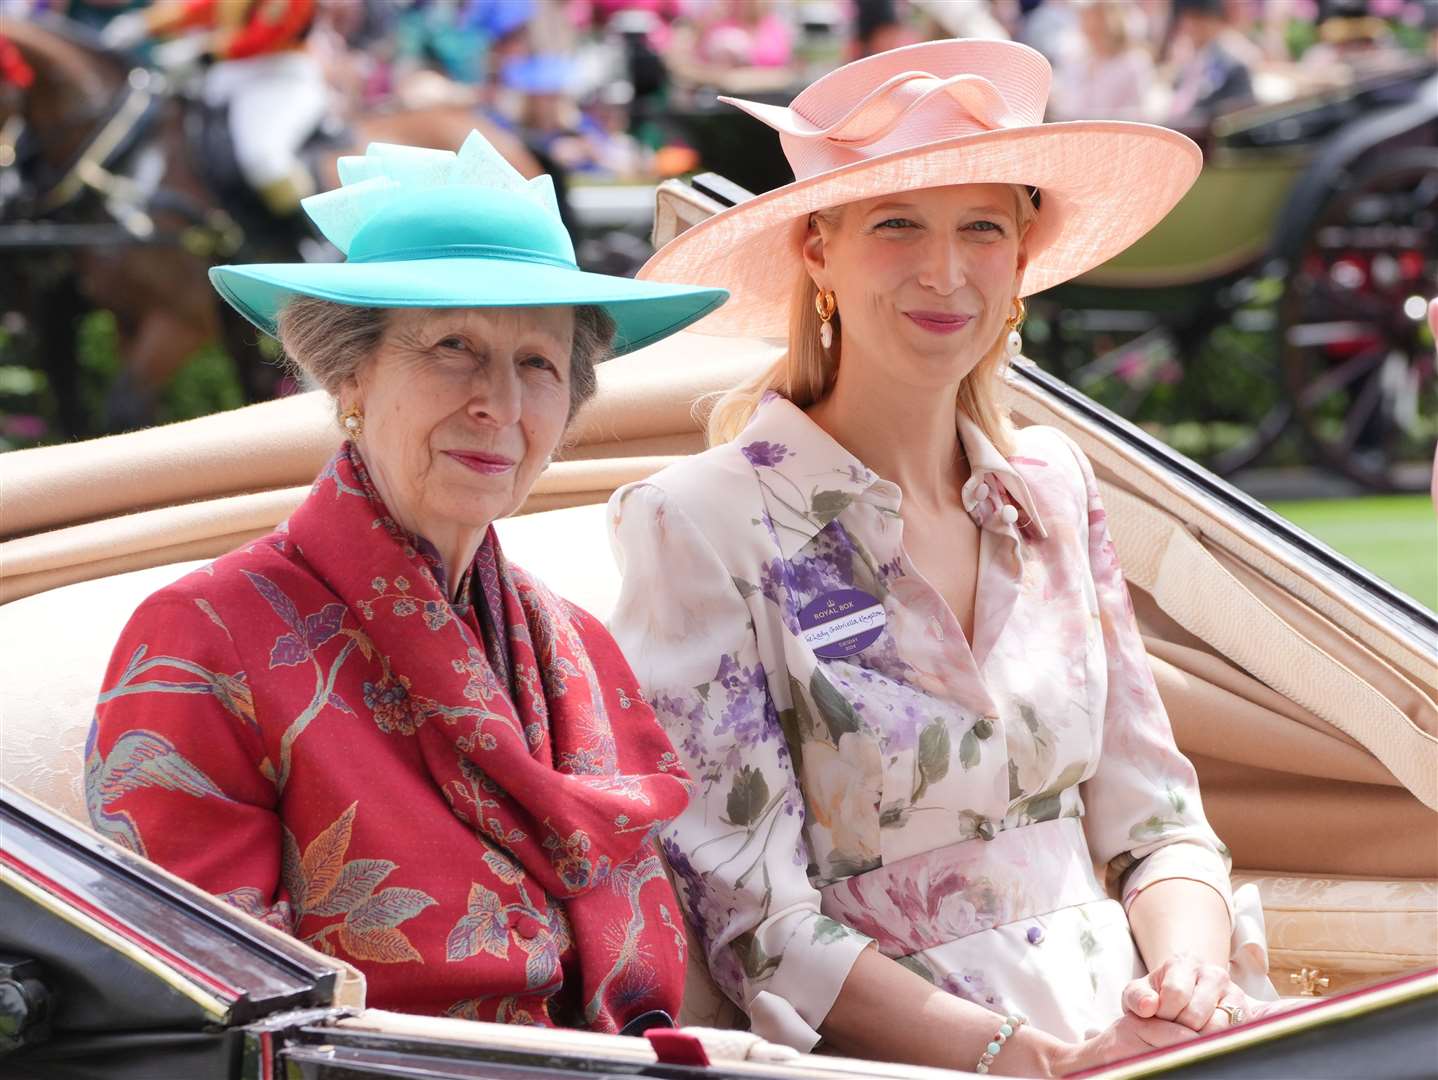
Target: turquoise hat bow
(432, 228)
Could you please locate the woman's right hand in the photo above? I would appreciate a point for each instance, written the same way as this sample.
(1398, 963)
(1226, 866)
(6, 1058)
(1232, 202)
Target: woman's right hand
(1127, 1036)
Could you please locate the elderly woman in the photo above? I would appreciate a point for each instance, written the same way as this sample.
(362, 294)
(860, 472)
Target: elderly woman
(368, 727)
(889, 632)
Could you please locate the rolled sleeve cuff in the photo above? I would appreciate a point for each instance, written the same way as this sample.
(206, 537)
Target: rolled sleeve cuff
(1182, 859)
(816, 961)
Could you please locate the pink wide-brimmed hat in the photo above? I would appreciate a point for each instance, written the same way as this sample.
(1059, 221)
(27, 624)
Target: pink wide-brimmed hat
(930, 115)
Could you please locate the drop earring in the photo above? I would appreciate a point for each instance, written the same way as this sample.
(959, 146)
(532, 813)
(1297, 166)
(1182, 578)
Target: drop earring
(1014, 343)
(824, 304)
(352, 420)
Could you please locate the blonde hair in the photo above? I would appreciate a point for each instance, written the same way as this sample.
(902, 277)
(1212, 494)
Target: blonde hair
(806, 371)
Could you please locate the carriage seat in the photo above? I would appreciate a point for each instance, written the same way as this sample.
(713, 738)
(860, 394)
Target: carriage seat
(59, 642)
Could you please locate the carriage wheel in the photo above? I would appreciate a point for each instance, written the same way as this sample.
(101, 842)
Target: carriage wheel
(1196, 363)
(1356, 353)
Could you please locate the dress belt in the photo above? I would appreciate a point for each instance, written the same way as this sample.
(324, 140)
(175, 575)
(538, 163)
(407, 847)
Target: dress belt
(939, 896)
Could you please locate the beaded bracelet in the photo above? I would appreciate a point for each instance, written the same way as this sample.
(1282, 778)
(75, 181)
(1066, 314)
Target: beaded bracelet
(1010, 1025)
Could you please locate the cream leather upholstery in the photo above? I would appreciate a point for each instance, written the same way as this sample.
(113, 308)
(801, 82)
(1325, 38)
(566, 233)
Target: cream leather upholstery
(1353, 930)
(56, 647)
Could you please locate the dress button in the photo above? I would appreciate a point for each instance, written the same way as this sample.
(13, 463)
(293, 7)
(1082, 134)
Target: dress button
(1035, 934)
(987, 829)
(527, 927)
(1009, 514)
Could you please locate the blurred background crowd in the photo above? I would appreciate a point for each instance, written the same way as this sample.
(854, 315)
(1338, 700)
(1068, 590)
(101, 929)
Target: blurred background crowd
(1274, 321)
(599, 87)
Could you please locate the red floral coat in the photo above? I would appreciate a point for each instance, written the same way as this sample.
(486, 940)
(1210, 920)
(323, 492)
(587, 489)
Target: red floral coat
(460, 800)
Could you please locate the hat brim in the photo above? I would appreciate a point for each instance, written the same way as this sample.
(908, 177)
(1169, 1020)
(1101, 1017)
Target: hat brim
(643, 311)
(1103, 185)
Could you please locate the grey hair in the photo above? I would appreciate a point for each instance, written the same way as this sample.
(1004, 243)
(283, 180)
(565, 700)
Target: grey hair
(330, 343)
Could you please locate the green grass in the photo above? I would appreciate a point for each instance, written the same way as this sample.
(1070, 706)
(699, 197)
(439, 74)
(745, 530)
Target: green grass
(1394, 536)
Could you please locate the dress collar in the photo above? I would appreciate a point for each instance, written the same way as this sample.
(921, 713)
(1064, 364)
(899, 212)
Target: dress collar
(808, 479)
(996, 494)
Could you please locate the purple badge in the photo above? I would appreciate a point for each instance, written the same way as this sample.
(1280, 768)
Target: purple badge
(842, 622)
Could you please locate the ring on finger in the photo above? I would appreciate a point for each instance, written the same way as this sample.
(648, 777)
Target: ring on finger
(1236, 1014)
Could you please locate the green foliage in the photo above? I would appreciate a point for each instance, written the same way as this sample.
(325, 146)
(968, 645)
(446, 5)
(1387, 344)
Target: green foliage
(207, 384)
(16, 380)
(98, 354)
(29, 411)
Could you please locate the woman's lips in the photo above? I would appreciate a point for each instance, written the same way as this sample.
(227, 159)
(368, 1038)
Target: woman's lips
(487, 464)
(939, 322)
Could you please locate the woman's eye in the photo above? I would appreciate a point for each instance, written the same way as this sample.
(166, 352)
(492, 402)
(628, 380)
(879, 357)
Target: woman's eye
(987, 226)
(537, 361)
(895, 223)
(454, 343)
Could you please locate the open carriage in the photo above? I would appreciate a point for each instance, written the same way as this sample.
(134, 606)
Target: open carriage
(1312, 236)
(1304, 690)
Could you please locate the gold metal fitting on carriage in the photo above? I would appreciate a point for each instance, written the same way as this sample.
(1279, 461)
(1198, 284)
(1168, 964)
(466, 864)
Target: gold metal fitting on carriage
(1309, 981)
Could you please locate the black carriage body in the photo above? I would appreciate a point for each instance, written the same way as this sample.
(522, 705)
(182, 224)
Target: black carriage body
(139, 978)
(152, 980)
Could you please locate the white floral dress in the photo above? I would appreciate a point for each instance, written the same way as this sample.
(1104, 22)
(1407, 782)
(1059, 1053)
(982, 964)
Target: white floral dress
(864, 773)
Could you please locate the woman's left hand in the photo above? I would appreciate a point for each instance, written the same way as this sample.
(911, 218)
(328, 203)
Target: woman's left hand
(1185, 990)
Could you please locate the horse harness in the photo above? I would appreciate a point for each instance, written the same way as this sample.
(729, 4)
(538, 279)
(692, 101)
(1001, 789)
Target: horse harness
(119, 131)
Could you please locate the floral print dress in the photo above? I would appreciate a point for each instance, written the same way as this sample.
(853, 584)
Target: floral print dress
(867, 775)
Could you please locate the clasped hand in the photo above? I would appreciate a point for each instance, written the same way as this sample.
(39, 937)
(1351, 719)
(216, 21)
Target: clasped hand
(1186, 991)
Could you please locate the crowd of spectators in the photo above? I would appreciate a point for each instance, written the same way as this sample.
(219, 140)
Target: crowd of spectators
(594, 84)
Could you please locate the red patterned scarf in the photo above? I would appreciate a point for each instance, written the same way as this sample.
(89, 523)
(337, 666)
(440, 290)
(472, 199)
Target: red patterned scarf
(526, 754)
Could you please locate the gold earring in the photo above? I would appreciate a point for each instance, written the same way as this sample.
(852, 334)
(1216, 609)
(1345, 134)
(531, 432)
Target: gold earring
(1014, 343)
(824, 304)
(352, 419)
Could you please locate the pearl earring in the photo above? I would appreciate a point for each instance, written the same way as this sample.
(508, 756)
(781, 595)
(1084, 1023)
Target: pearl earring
(353, 421)
(824, 304)
(1014, 344)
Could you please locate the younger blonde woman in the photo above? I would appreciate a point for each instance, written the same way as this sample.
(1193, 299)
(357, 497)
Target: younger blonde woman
(888, 632)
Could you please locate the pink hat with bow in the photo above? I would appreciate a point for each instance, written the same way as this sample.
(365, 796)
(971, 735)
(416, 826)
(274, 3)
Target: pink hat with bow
(944, 112)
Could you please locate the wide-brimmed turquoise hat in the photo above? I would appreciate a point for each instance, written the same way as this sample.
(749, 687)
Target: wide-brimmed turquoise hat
(432, 228)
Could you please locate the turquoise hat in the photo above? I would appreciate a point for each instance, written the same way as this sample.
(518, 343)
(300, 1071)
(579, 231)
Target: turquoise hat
(432, 228)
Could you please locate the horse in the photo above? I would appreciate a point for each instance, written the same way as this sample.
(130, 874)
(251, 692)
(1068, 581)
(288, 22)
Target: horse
(129, 221)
